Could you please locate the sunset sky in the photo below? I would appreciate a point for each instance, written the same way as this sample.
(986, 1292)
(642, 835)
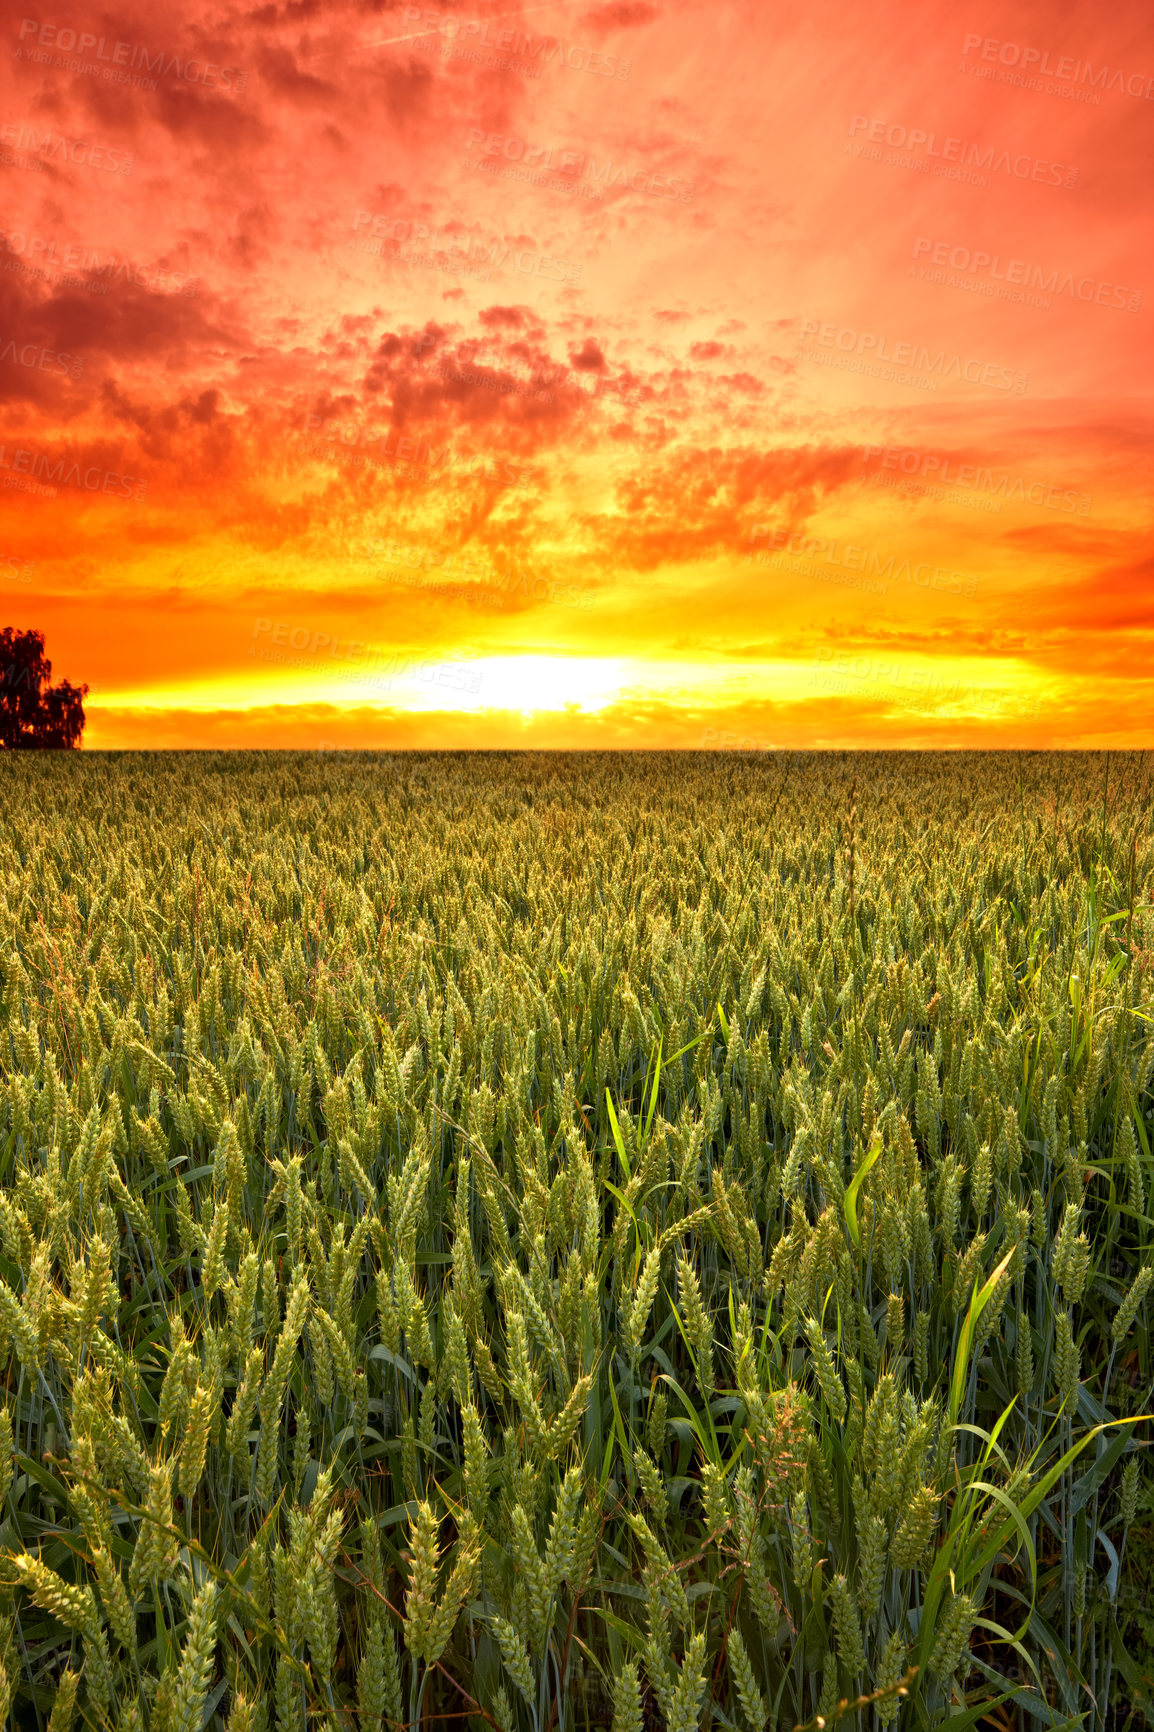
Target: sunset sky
(636, 374)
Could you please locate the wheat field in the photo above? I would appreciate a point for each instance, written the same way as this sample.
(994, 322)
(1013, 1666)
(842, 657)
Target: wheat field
(544, 1242)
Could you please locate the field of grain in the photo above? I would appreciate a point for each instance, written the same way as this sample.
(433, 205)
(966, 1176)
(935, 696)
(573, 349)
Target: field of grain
(542, 1242)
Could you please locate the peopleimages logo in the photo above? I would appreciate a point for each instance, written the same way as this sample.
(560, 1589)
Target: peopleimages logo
(1079, 72)
(570, 167)
(1056, 282)
(538, 51)
(386, 666)
(44, 360)
(939, 471)
(475, 573)
(782, 547)
(117, 57)
(964, 156)
(16, 570)
(867, 348)
(42, 255)
(22, 136)
(383, 445)
(492, 252)
(888, 681)
(725, 740)
(22, 461)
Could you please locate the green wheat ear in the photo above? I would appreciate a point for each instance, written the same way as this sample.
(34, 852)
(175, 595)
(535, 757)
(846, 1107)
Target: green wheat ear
(627, 1700)
(628, 1195)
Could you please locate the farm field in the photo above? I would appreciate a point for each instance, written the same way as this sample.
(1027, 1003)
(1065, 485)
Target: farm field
(557, 1241)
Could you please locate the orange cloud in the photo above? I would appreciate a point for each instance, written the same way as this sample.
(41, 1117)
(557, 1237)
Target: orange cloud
(674, 350)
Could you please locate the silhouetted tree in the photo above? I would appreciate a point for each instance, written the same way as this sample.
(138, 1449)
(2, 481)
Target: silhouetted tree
(34, 714)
